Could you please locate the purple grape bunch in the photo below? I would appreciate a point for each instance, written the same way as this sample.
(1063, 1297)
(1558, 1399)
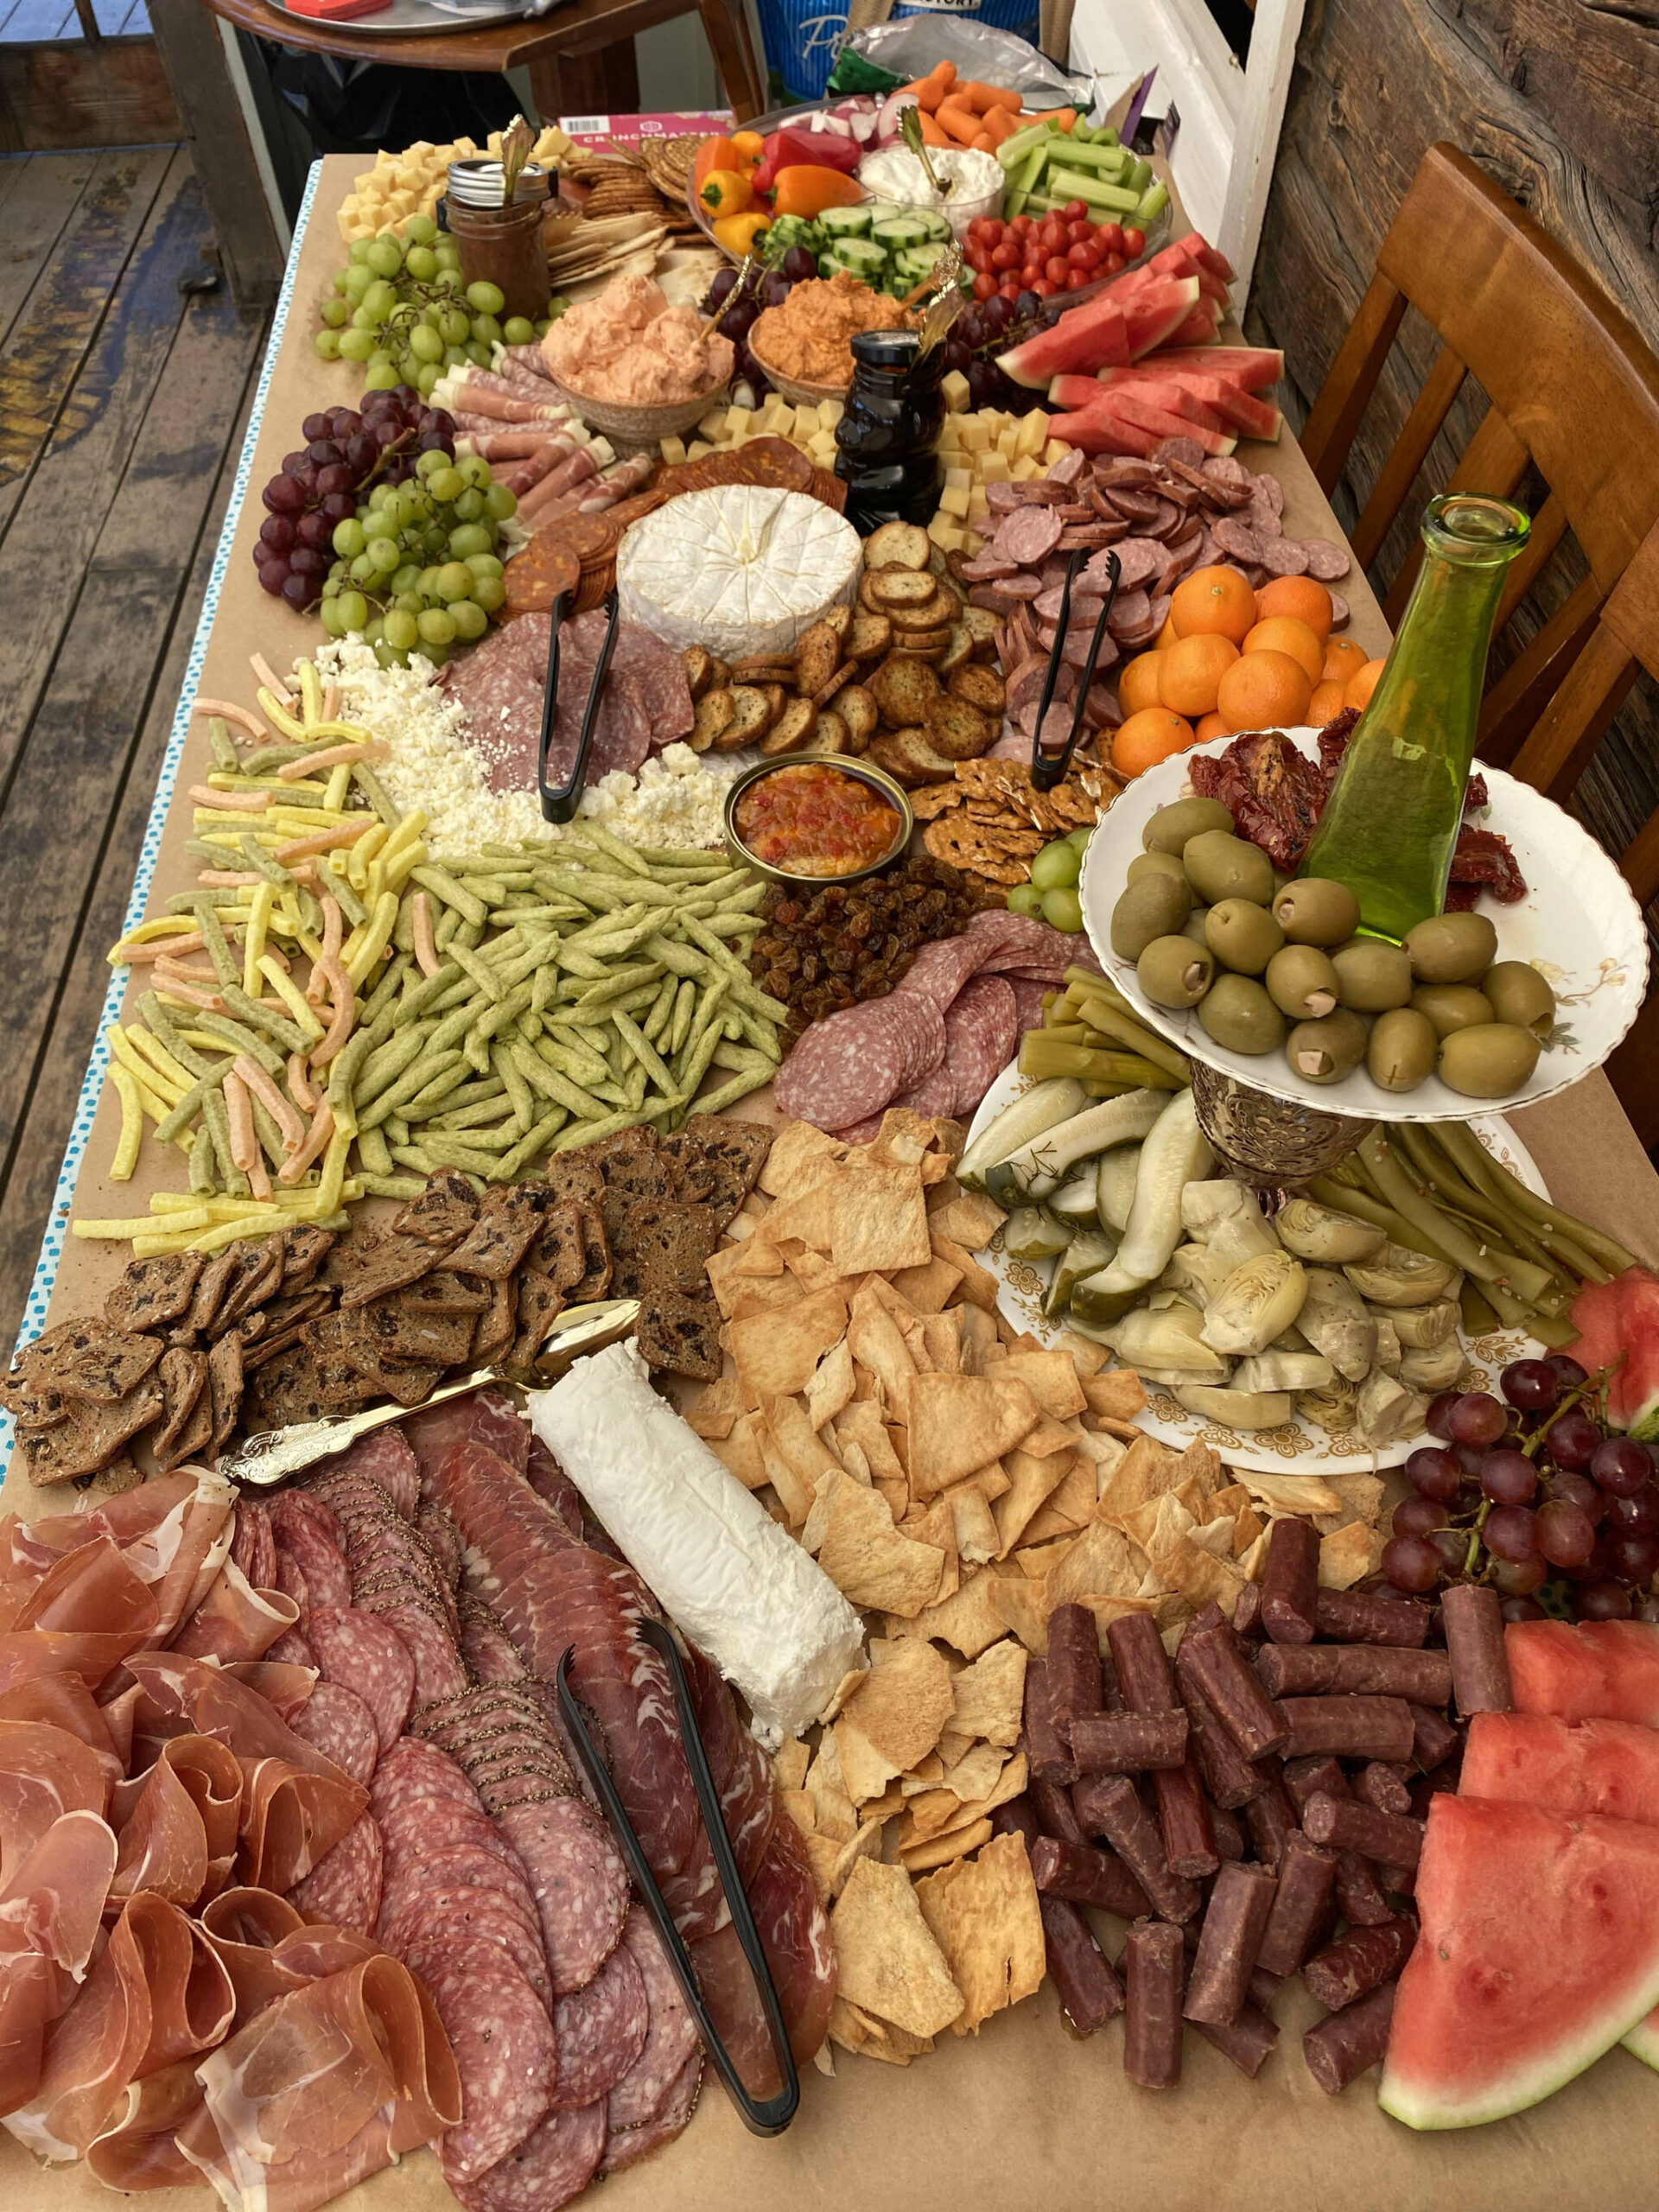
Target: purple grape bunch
(318, 486)
(1531, 1491)
(982, 331)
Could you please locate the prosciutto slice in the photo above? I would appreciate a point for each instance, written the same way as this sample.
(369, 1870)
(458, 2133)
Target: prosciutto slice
(51, 1909)
(178, 1837)
(174, 1533)
(235, 1620)
(44, 1772)
(84, 1616)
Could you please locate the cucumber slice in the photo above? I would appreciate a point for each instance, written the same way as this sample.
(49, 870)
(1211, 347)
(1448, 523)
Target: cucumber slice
(860, 255)
(846, 222)
(937, 226)
(899, 229)
(882, 210)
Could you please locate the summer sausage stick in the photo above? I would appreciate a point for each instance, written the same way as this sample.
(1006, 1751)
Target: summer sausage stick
(1221, 1672)
(1183, 1817)
(1383, 1785)
(1433, 1737)
(1271, 1819)
(1247, 2042)
(1073, 1669)
(1392, 1838)
(1247, 1614)
(1127, 1743)
(1086, 1877)
(1290, 1580)
(1148, 1682)
(1153, 1960)
(1359, 1899)
(1140, 1664)
(1349, 1969)
(1229, 1776)
(1352, 1727)
(1354, 1669)
(1090, 1993)
(1473, 1616)
(1307, 1873)
(1109, 1806)
(1235, 1921)
(1303, 1777)
(1049, 1754)
(1361, 1617)
(1054, 1809)
(1344, 2046)
(1228, 1836)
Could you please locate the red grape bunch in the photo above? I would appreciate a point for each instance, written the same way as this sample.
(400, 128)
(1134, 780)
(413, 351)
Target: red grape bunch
(1531, 1492)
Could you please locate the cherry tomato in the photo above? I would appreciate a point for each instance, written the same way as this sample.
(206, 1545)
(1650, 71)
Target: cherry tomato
(984, 284)
(1044, 289)
(1078, 278)
(1075, 211)
(975, 255)
(1075, 232)
(1092, 256)
(1056, 269)
(1052, 235)
(1022, 226)
(1112, 263)
(1030, 271)
(1111, 237)
(1009, 288)
(1135, 241)
(1006, 256)
(1081, 256)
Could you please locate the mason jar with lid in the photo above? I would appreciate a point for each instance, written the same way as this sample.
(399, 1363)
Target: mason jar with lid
(500, 245)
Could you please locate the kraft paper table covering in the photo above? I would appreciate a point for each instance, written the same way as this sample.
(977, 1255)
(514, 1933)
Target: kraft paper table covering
(1023, 2116)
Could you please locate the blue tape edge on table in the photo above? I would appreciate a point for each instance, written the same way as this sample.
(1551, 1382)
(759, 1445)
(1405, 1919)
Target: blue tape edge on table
(45, 1269)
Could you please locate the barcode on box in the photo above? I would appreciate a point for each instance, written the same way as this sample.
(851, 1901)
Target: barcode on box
(576, 125)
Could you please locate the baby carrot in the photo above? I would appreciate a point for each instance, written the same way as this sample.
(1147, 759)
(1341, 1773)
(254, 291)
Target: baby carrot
(960, 122)
(931, 134)
(934, 87)
(1000, 123)
(980, 97)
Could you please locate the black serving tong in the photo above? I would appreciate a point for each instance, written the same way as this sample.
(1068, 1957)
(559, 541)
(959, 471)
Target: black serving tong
(768, 2116)
(560, 803)
(1048, 769)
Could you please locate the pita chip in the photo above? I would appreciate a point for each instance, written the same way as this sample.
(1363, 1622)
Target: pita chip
(990, 1695)
(798, 1440)
(929, 1288)
(1052, 1380)
(1100, 1564)
(1030, 1481)
(979, 1286)
(902, 1706)
(831, 1386)
(954, 1843)
(790, 1763)
(890, 1964)
(716, 1408)
(1348, 1555)
(1118, 1393)
(969, 1219)
(776, 1353)
(977, 1334)
(1023, 1606)
(958, 1423)
(742, 1451)
(1070, 1506)
(1146, 1471)
(1302, 1494)
(972, 1523)
(868, 1559)
(985, 1918)
(800, 1157)
(967, 1622)
(875, 1341)
(861, 1423)
(974, 1775)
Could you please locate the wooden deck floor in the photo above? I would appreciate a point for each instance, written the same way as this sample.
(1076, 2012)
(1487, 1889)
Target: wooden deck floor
(123, 401)
(30, 22)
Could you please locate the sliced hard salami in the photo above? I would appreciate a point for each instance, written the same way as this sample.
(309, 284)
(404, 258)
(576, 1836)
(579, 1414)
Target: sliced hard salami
(1236, 539)
(335, 1721)
(486, 1647)
(438, 1671)
(935, 1095)
(1028, 1001)
(443, 1539)
(864, 1132)
(555, 2164)
(321, 1562)
(366, 1654)
(1283, 557)
(291, 1648)
(940, 968)
(980, 1033)
(628, 2146)
(1027, 537)
(291, 1583)
(387, 1460)
(854, 1063)
(670, 2041)
(421, 1831)
(468, 1915)
(579, 1881)
(505, 2052)
(464, 1863)
(254, 1547)
(343, 1888)
(1327, 560)
(601, 2031)
(413, 1771)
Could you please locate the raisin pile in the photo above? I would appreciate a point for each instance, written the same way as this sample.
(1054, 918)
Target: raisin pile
(852, 942)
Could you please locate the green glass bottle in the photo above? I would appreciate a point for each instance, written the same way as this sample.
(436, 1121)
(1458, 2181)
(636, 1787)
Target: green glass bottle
(1391, 822)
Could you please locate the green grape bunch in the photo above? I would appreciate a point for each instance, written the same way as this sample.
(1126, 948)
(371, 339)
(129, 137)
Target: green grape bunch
(417, 569)
(400, 310)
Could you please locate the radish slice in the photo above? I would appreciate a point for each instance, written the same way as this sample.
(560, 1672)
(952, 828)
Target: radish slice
(889, 131)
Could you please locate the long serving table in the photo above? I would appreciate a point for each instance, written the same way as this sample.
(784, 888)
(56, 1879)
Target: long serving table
(1023, 2115)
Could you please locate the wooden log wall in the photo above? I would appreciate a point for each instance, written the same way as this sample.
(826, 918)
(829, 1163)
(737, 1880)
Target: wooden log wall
(1558, 101)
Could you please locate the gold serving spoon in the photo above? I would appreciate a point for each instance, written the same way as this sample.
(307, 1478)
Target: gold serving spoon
(910, 127)
(277, 1453)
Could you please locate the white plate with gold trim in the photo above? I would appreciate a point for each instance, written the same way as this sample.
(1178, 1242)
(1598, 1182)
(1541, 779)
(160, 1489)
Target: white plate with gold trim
(1299, 1448)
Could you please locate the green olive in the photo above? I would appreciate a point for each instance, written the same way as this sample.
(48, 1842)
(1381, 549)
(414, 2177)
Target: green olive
(1517, 993)
(1243, 937)
(1156, 906)
(1154, 864)
(1171, 827)
(1451, 948)
(1371, 977)
(1220, 867)
(1315, 911)
(1173, 972)
(1489, 1062)
(1301, 982)
(1452, 1006)
(1403, 1047)
(1327, 1050)
(1195, 925)
(1240, 1016)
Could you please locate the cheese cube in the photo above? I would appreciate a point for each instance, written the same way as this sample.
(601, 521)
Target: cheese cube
(740, 424)
(972, 542)
(1025, 468)
(1033, 432)
(993, 468)
(941, 530)
(822, 448)
(713, 425)
(977, 503)
(697, 448)
(1007, 442)
(953, 500)
(1056, 450)
(674, 450)
(958, 479)
(974, 433)
(955, 391)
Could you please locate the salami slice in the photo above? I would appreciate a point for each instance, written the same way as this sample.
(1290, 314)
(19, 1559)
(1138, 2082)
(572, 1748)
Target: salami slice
(413, 1771)
(366, 1654)
(579, 1881)
(1027, 537)
(292, 1648)
(864, 1132)
(387, 1460)
(1284, 556)
(1084, 607)
(254, 1547)
(980, 1031)
(555, 2164)
(940, 968)
(1187, 451)
(343, 1888)
(438, 1671)
(1028, 1002)
(505, 2052)
(1068, 469)
(628, 2146)
(486, 1647)
(462, 1862)
(291, 1583)
(335, 1721)
(601, 2030)
(987, 568)
(935, 1095)
(443, 1539)
(1339, 611)
(1327, 560)
(1236, 539)
(320, 1561)
(1269, 491)
(428, 1830)
(670, 2041)
(453, 1917)
(854, 1062)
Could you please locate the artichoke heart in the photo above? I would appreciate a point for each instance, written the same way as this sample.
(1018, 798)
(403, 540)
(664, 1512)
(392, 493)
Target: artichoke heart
(1196, 1271)
(1435, 1367)
(1237, 1409)
(1258, 1301)
(1421, 1328)
(1389, 1350)
(1334, 1320)
(1399, 1276)
(1386, 1410)
(1285, 1370)
(1316, 1232)
(1166, 1338)
(1226, 1217)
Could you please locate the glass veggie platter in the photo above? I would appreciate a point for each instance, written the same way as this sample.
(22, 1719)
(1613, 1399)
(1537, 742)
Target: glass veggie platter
(1298, 1445)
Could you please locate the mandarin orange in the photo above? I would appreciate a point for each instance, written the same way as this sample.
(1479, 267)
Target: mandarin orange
(1191, 672)
(1212, 603)
(1303, 596)
(1264, 690)
(1283, 633)
(1149, 737)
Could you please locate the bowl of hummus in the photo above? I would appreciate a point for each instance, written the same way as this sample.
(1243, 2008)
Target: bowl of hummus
(635, 366)
(805, 346)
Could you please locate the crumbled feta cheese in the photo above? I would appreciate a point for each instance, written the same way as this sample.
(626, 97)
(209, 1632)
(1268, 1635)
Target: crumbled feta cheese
(674, 800)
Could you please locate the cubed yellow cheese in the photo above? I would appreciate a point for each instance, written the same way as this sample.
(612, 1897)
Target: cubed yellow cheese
(822, 448)
(697, 448)
(1033, 432)
(972, 542)
(1007, 442)
(1056, 450)
(944, 533)
(958, 479)
(974, 433)
(713, 425)
(977, 503)
(993, 468)
(956, 394)
(674, 450)
(1025, 468)
(953, 500)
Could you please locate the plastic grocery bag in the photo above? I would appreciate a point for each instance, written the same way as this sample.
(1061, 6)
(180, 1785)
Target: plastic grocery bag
(987, 39)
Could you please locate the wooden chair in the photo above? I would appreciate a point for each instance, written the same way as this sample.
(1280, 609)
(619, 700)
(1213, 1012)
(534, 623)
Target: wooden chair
(1574, 392)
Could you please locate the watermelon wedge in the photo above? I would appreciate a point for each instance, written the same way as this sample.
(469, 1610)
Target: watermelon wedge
(1127, 408)
(1086, 338)
(1155, 312)
(1075, 391)
(1240, 411)
(1539, 1951)
(1178, 261)
(1092, 430)
(1173, 394)
(1585, 1670)
(1253, 368)
(1618, 1328)
(1610, 1768)
(1200, 329)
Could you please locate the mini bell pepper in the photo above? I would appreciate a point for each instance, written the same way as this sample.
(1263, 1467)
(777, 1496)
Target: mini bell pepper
(717, 154)
(735, 234)
(751, 145)
(805, 190)
(763, 174)
(827, 149)
(723, 192)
